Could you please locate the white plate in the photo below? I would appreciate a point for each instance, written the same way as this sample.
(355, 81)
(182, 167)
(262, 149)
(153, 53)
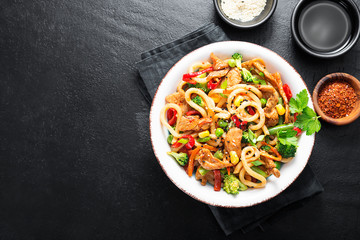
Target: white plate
(289, 171)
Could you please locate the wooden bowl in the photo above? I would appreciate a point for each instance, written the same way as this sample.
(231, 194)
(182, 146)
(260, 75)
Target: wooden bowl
(343, 77)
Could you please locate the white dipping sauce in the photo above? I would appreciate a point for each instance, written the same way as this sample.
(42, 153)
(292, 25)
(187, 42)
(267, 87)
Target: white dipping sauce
(243, 10)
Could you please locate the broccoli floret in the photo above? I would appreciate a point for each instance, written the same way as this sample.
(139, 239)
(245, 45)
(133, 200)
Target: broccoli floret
(246, 75)
(245, 137)
(238, 58)
(286, 151)
(203, 86)
(232, 184)
(199, 101)
(181, 158)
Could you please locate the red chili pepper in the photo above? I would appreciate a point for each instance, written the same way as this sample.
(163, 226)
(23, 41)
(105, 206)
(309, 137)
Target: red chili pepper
(298, 131)
(217, 180)
(171, 116)
(192, 112)
(188, 145)
(250, 110)
(189, 80)
(238, 123)
(295, 116)
(195, 74)
(213, 84)
(287, 91)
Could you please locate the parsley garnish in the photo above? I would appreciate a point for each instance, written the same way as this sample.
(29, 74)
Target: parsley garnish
(308, 121)
(299, 103)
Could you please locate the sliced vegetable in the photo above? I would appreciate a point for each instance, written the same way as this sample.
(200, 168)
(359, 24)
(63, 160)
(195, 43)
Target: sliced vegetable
(202, 140)
(217, 180)
(298, 130)
(238, 123)
(171, 116)
(287, 91)
(183, 141)
(250, 110)
(256, 163)
(213, 83)
(222, 123)
(190, 168)
(284, 127)
(278, 164)
(195, 74)
(265, 148)
(192, 112)
(224, 84)
(219, 154)
(259, 171)
(203, 171)
(189, 144)
(170, 139)
(263, 102)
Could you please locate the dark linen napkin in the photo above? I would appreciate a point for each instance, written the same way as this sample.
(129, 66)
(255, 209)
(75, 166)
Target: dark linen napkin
(153, 67)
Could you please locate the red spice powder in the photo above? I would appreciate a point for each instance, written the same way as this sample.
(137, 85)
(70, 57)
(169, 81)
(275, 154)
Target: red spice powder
(337, 99)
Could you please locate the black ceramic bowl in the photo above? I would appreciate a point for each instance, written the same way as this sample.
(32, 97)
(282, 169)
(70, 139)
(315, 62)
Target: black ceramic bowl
(306, 15)
(263, 17)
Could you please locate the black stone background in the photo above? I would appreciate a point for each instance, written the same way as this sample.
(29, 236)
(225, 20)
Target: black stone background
(75, 156)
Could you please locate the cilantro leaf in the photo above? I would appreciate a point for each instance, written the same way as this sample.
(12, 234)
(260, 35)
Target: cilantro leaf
(308, 121)
(288, 137)
(298, 104)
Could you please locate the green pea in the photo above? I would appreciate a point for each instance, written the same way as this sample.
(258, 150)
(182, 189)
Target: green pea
(219, 132)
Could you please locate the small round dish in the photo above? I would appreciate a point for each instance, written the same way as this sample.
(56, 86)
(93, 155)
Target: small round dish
(263, 17)
(325, 28)
(343, 77)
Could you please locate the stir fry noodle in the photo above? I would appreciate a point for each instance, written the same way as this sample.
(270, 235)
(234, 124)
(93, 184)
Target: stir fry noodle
(230, 123)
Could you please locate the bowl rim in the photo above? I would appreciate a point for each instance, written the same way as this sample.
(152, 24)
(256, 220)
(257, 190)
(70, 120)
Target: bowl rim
(184, 190)
(226, 19)
(329, 77)
(326, 55)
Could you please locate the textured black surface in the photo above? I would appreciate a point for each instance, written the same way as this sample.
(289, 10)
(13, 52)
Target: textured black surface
(75, 156)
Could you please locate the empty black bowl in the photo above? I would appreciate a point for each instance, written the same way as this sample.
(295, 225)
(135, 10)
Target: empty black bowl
(326, 28)
(263, 17)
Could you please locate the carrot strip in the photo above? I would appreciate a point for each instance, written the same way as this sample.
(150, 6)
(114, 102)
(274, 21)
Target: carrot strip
(190, 168)
(211, 148)
(228, 170)
(265, 154)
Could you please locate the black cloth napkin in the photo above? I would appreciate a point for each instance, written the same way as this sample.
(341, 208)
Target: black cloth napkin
(152, 68)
